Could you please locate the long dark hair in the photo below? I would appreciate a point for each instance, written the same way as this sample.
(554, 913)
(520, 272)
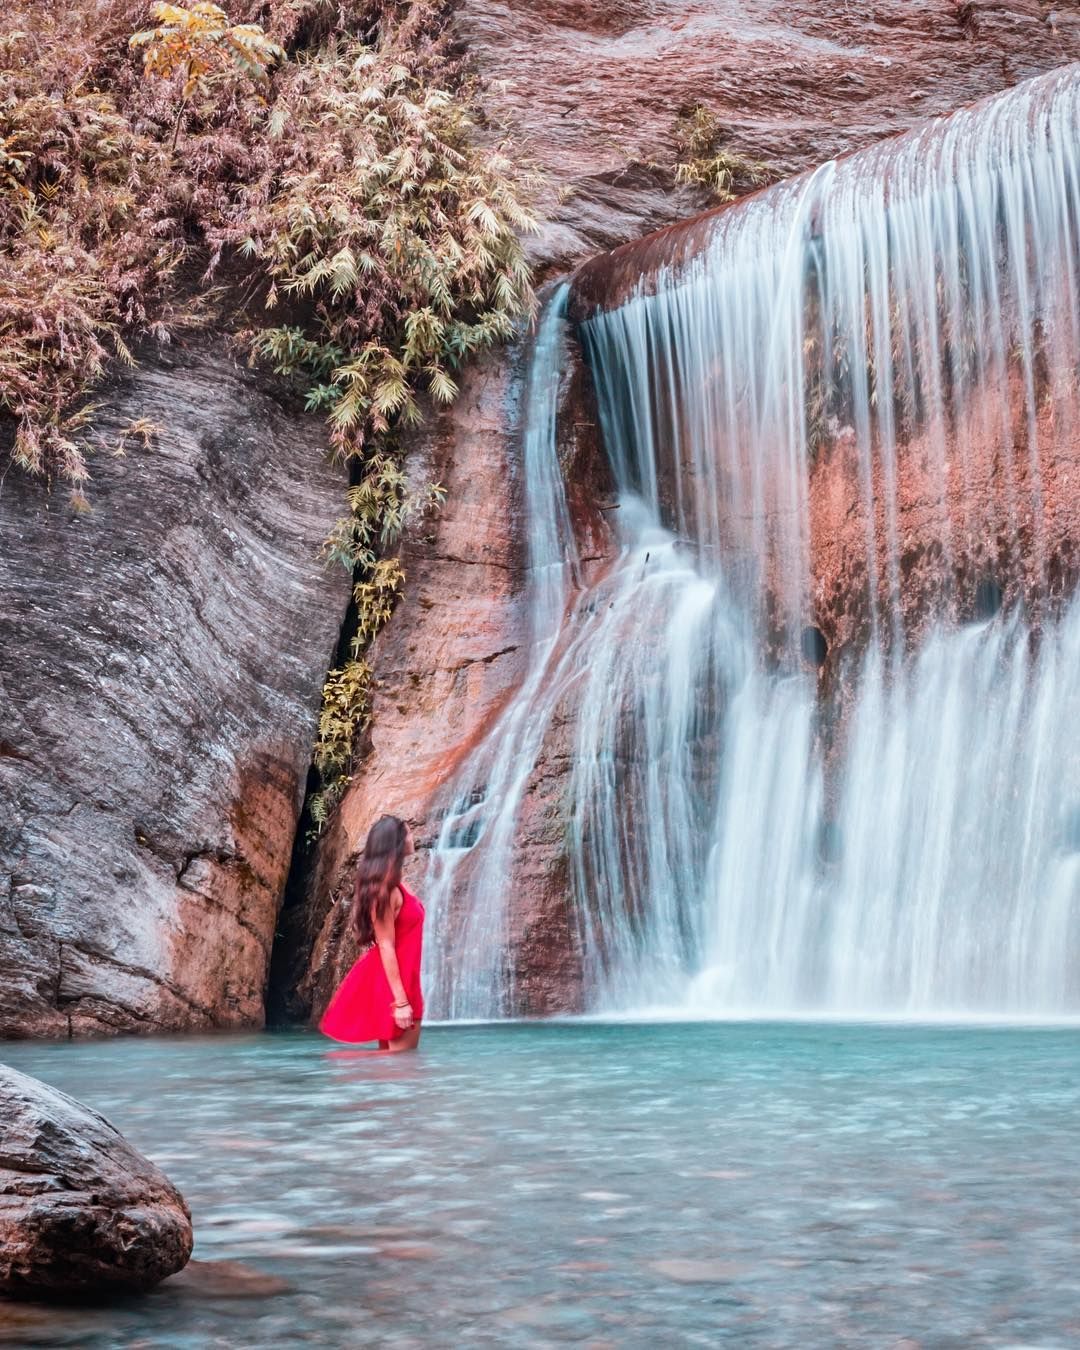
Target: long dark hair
(378, 872)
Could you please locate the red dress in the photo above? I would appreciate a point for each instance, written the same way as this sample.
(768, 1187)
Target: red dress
(362, 1010)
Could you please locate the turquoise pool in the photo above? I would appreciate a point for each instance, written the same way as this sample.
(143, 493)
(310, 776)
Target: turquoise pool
(601, 1184)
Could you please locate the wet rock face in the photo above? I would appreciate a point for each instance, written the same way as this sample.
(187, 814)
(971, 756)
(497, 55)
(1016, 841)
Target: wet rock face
(591, 88)
(161, 663)
(451, 657)
(968, 543)
(81, 1211)
(445, 664)
(590, 92)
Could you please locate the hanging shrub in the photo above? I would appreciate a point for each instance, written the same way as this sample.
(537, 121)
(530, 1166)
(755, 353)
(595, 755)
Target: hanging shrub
(335, 155)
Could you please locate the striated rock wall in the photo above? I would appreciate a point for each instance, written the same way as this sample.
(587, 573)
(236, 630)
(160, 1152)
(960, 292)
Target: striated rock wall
(161, 662)
(591, 93)
(591, 88)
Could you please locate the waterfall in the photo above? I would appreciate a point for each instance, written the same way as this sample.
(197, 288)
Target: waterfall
(738, 839)
(473, 857)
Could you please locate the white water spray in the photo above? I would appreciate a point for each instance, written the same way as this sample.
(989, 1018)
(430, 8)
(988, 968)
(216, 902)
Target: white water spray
(925, 289)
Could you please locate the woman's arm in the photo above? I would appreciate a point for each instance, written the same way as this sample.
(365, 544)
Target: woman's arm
(384, 939)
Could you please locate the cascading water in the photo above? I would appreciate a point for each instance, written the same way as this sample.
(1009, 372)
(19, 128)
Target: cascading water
(472, 977)
(915, 305)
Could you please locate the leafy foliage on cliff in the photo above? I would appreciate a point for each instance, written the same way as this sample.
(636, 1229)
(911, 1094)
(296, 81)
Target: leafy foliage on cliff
(327, 159)
(346, 709)
(198, 42)
(76, 246)
(703, 159)
(396, 230)
(329, 154)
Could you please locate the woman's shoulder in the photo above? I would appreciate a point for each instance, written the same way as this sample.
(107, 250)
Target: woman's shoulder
(408, 898)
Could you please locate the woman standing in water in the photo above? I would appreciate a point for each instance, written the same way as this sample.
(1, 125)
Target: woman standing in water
(380, 998)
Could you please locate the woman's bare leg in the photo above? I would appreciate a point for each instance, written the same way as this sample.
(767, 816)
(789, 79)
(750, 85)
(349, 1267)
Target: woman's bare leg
(408, 1040)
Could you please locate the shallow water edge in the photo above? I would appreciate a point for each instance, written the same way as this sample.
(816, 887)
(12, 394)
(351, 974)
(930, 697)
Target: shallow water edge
(600, 1183)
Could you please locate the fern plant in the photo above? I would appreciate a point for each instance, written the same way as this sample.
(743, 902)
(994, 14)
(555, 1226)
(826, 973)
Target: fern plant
(344, 715)
(396, 230)
(702, 160)
(195, 43)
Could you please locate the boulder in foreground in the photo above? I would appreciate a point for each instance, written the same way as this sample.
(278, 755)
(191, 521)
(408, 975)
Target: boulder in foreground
(81, 1212)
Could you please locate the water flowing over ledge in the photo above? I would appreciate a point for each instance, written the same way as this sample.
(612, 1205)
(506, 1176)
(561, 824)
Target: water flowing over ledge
(818, 703)
(947, 153)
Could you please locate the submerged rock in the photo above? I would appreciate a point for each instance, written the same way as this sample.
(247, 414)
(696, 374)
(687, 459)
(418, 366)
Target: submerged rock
(227, 1279)
(81, 1211)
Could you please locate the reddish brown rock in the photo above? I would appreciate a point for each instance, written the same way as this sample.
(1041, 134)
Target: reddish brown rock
(161, 663)
(210, 1280)
(591, 92)
(957, 541)
(446, 665)
(989, 504)
(974, 527)
(447, 661)
(81, 1212)
(591, 88)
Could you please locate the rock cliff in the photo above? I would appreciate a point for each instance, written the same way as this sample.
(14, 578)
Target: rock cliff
(162, 656)
(161, 661)
(591, 91)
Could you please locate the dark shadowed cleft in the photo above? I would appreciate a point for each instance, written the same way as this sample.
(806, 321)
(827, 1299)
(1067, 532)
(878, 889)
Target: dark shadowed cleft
(814, 646)
(988, 599)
